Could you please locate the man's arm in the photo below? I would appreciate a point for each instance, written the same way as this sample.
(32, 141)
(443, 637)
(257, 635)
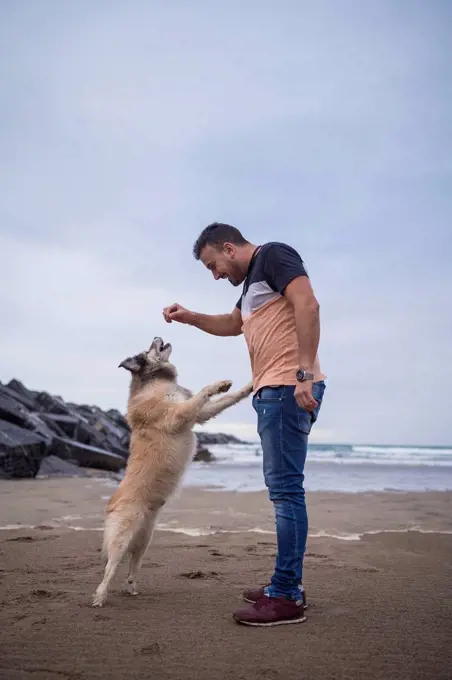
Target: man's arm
(286, 273)
(215, 324)
(219, 324)
(307, 319)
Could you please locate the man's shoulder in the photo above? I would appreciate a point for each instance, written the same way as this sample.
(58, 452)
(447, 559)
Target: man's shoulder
(281, 263)
(275, 244)
(276, 247)
(280, 254)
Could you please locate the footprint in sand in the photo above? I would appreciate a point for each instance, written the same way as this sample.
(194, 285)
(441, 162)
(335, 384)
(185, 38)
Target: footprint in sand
(47, 673)
(366, 570)
(47, 594)
(26, 539)
(198, 574)
(151, 650)
(40, 622)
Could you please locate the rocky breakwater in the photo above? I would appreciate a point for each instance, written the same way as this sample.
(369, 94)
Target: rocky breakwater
(41, 435)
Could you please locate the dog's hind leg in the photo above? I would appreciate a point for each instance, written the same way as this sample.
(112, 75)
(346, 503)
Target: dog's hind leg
(137, 549)
(118, 533)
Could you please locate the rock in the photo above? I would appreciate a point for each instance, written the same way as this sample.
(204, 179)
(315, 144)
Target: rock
(67, 425)
(21, 451)
(52, 466)
(51, 424)
(206, 438)
(118, 418)
(37, 424)
(12, 410)
(115, 436)
(204, 456)
(15, 412)
(89, 426)
(50, 404)
(19, 392)
(87, 456)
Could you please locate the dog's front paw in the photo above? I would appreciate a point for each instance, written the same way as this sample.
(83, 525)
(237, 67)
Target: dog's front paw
(247, 390)
(221, 386)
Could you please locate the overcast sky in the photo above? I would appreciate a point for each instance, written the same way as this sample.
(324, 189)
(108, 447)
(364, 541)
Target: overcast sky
(126, 127)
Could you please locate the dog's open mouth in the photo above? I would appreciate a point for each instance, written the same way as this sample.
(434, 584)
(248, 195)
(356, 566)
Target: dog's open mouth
(164, 347)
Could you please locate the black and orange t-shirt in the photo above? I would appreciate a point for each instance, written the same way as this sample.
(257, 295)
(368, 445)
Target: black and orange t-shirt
(268, 318)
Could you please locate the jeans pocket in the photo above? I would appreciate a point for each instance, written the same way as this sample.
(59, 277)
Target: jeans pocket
(318, 390)
(306, 419)
(268, 411)
(269, 394)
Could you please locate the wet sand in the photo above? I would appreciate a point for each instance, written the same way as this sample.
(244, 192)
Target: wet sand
(377, 574)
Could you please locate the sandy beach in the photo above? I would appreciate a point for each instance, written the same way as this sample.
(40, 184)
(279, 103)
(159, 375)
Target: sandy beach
(377, 574)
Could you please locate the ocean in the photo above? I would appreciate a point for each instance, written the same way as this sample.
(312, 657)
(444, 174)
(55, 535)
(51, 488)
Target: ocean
(332, 467)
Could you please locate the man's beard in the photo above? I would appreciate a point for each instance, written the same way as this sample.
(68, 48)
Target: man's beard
(236, 278)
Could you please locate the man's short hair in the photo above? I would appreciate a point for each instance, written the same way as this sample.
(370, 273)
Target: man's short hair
(217, 234)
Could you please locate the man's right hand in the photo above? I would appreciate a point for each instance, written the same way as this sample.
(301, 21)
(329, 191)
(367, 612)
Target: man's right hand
(216, 324)
(178, 313)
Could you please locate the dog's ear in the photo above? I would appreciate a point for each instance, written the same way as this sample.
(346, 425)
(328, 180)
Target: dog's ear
(131, 364)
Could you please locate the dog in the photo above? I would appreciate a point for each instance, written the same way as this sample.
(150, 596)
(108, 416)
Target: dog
(161, 415)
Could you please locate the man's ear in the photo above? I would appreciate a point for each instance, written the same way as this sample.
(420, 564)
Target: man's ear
(229, 249)
(131, 364)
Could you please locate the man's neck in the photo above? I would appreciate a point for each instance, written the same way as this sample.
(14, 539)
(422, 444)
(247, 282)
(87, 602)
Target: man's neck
(247, 254)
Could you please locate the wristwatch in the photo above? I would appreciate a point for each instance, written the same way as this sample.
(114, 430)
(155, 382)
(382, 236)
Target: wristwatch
(303, 375)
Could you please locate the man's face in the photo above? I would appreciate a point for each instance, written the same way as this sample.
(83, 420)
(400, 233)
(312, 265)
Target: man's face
(223, 263)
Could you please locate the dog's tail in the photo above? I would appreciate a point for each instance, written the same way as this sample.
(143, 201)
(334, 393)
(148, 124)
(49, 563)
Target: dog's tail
(119, 530)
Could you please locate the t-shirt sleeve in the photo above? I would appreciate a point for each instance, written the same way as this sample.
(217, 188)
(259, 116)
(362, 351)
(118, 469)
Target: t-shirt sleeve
(282, 265)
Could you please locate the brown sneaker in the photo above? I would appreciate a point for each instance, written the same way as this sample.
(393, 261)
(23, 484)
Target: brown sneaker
(252, 595)
(271, 611)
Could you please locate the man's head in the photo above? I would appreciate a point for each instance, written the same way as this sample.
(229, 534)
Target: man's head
(224, 251)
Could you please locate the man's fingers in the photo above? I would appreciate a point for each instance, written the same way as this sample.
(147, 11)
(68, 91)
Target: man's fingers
(312, 404)
(307, 402)
(168, 312)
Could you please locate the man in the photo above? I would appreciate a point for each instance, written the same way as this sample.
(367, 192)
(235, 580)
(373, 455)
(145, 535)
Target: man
(279, 317)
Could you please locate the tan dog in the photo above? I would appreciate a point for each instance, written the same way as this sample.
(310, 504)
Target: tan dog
(161, 415)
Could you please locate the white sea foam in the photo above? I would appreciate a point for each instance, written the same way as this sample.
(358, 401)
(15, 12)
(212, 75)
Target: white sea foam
(344, 454)
(196, 532)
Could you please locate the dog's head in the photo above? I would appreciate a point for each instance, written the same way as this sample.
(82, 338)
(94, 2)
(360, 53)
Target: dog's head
(151, 363)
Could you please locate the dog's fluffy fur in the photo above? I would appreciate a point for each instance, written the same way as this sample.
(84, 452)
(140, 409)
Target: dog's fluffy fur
(161, 415)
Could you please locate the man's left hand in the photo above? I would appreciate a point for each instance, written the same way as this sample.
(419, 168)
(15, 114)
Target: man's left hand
(303, 395)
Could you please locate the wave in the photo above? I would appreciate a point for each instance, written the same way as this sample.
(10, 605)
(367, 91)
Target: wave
(343, 454)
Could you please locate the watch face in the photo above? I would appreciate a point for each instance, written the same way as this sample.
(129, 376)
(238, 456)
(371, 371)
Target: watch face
(300, 375)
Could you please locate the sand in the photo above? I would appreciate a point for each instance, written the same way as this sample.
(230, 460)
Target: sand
(377, 574)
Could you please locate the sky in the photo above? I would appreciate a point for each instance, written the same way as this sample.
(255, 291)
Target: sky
(126, 128)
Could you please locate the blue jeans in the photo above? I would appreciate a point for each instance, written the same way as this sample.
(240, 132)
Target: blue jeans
(283, 427)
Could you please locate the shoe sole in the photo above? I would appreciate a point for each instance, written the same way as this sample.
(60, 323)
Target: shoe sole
(254, 602)
(273, 623)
